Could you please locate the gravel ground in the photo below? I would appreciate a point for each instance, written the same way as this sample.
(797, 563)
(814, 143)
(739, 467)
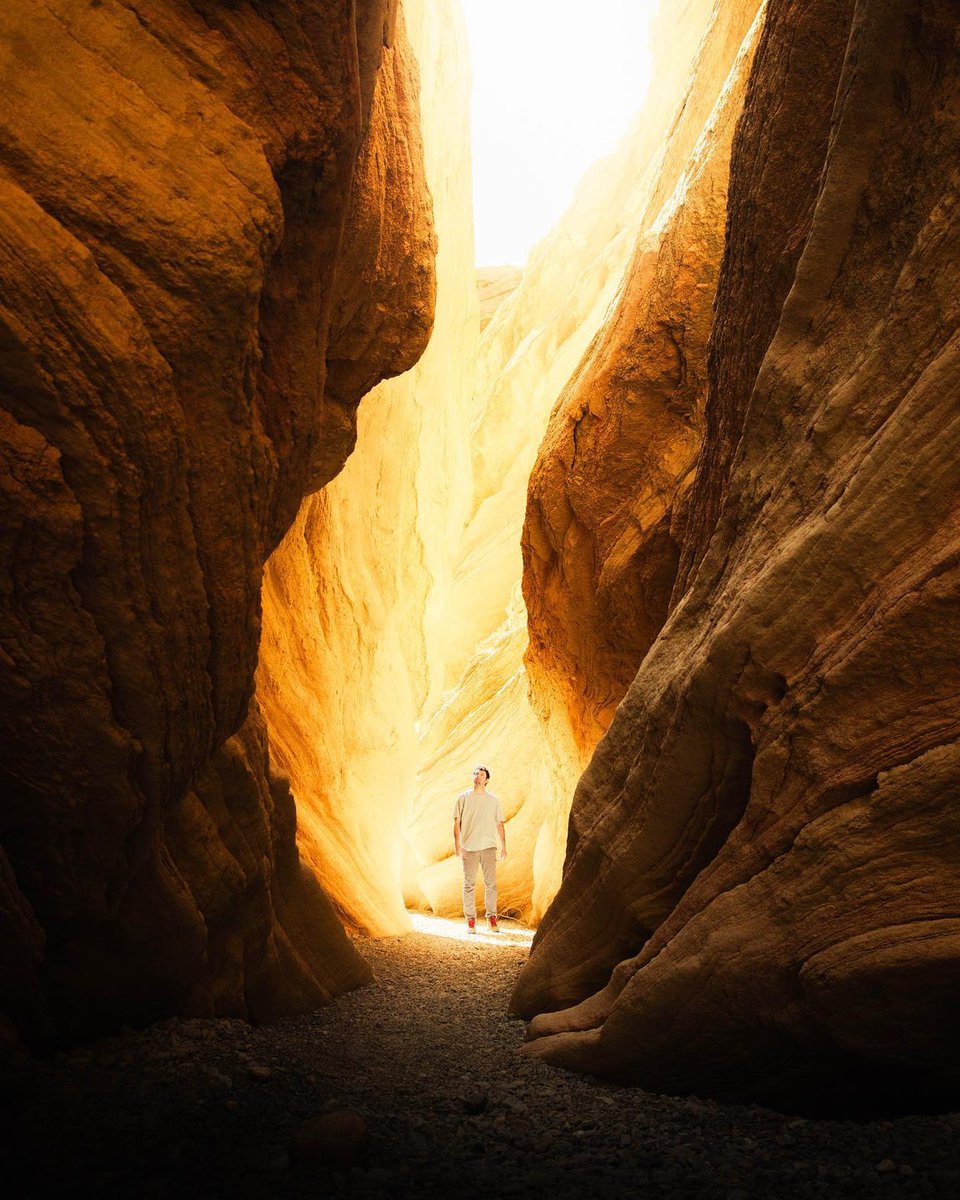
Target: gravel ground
(427, 1062)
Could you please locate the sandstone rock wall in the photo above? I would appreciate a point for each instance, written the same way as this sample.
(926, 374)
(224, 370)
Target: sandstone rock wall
(527, 352)
(606, 501)
(766, 839)
(181, 251)
(611, 301)
(357, 595)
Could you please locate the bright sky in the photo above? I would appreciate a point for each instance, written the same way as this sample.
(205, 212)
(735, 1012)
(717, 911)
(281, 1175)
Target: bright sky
(555, 84)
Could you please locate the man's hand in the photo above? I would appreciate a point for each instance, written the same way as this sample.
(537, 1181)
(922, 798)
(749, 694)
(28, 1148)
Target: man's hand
(503, 853)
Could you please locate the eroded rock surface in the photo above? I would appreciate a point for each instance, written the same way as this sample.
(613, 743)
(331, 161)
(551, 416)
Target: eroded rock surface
(766, 839)
(606, 502)
(356, 597)
(182, 249)
(596, 318)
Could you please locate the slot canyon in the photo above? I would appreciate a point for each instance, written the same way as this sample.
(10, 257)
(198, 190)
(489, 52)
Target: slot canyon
(304, 514)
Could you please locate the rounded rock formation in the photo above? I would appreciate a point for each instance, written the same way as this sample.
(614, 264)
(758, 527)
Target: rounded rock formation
(185, 239)
(765, 839)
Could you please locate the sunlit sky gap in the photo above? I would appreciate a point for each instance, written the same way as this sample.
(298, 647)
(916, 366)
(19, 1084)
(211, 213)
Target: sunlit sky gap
(555, 85)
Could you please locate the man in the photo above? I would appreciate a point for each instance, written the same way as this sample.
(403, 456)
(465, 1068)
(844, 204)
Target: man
(477, 829)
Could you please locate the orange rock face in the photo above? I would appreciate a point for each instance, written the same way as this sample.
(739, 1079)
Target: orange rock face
(605, 508)
(766, 839)
(355, 594)
(183, 251)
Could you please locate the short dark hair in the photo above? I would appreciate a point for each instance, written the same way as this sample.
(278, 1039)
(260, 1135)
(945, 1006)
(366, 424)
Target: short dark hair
(486, 770)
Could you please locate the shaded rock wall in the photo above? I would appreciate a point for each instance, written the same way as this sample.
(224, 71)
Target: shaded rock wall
(766, 838)
(606, 502)
(357, 595)
(181, 252)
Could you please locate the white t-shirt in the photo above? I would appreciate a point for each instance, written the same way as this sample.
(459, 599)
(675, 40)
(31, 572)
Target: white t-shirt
(478, 814)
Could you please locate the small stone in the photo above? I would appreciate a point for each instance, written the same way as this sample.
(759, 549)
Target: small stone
(906, 1169)
(886, 1166)
(475, 1102)
(258, 1071)
(336, 1139)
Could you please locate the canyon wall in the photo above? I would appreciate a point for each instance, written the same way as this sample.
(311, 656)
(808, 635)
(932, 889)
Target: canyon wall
(599, 355)
(607, 496)
(762, 878)
(394, 628)
(527, 351)
(357, 595)
(194, 297)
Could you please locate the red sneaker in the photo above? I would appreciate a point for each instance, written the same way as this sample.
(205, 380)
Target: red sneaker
(492, 922)
(471, 925)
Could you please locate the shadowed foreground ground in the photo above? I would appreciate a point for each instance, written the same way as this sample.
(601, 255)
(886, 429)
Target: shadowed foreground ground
(428, 1059)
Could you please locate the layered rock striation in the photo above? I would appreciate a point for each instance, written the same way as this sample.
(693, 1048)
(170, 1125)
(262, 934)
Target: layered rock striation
(607, 497)
(494, 285)
(215, 234)
(762, 878)
(356, 597)
(591, 376)
(527, 351)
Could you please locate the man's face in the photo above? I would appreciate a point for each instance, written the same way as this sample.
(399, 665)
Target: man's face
(479, 777)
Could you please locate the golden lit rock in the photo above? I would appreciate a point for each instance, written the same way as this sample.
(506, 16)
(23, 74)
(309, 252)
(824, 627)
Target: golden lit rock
(494, 285)
(581, 302)
(707, 437)
(765, 839)
(356, 596)
(176, 241)
(606, 503)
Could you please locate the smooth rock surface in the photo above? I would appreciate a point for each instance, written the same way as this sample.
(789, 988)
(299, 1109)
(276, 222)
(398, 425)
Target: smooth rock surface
(606, 500)
(494, 285)
(182, 249)
(356, 597)
(766, 838)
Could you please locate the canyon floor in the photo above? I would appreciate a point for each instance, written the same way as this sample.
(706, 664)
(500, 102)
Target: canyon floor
(429, 1061)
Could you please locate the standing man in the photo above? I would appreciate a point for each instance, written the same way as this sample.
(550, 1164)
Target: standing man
(477, 830)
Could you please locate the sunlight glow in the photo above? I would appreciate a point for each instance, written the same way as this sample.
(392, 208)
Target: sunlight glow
(555, 85)
(511, 934)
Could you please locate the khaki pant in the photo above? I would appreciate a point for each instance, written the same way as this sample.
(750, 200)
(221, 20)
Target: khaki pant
(488, 860)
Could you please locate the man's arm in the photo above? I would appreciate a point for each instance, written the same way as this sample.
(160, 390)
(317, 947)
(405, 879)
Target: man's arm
(457, 848)
(502, 835)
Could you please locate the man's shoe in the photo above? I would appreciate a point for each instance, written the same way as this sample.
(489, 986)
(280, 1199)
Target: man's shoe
(471, 925)
(494, 927)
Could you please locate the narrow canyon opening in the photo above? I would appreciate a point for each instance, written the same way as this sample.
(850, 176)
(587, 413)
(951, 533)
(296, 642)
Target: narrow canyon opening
(303, 516)
(394, 652)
